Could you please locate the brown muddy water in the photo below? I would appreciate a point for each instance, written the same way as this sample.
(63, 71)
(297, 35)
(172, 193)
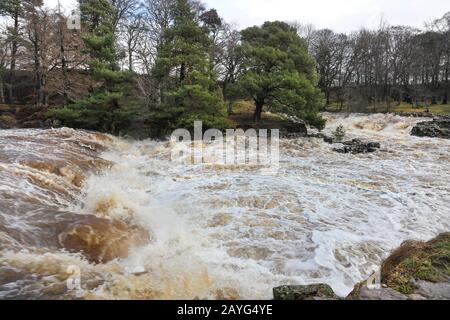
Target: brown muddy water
(138, 226)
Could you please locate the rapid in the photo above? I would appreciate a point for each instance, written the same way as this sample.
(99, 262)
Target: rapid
(139, 226)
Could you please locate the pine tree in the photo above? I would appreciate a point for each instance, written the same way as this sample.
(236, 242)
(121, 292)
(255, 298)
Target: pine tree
(279, 73)
(189, 90)
(16, 10)
(108, 108)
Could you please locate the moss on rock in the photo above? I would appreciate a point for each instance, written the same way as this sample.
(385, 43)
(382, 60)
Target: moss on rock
(311, 292)
(418, 261)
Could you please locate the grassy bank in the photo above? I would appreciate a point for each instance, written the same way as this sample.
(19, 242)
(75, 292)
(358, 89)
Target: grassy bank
(438, 109)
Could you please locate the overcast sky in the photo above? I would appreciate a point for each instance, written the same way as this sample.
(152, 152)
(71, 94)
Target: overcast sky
(339, 15)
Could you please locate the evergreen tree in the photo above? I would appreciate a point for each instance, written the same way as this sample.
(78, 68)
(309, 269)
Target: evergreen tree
(109, 107)
(188, 85)
(279, 73)
(16, 11)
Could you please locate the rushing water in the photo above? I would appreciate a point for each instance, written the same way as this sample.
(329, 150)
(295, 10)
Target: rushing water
(185, 231)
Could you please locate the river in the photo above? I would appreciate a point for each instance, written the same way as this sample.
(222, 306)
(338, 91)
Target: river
(211, 232)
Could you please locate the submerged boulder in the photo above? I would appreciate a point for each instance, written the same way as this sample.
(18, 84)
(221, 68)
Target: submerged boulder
(357, 146)
(438, 128)
(102, 240)
(354, 146)
(294, 128)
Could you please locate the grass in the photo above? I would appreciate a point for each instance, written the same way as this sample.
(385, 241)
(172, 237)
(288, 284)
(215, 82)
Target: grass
(243, 107)
(428, 262)
(438, 109)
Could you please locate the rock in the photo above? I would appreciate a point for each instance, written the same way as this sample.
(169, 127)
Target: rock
(416, 297)
(102, 240)
(378, 294)
(420, 268)
(438, 128)
(311, 292)
(7, 121)
(30, 124)
(294, 129)
(357, 146)
(330, 140)
(319, 135)
(415, 271)
(433, 291)
(354, 146)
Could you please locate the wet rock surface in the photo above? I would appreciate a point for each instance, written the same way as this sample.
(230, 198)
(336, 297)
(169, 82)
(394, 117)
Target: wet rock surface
(355, 146)
(415, 271)
(311, 292)
(438, 128)
(289, 127)
(366, 293)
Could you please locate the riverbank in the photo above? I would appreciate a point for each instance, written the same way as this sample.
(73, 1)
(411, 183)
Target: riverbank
(403, 108)
(28, 116)
(415, 271)
(23, 116)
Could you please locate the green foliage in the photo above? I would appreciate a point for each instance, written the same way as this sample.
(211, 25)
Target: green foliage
(278, 71)
(428, 262)
(188, 85)
(110, 107)
(313, 118)
(340, 133)
(115, 111)
(12, 7)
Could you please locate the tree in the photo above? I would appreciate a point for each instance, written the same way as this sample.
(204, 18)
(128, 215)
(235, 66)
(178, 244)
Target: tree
(3, 61)
(189, 89)
(133, 30)
(14, 9)
(123, 9)
(327, 49)
(279, 72)
(443, 27)
(229, 64)
(42, 42)
(109, 107)
(305, 31)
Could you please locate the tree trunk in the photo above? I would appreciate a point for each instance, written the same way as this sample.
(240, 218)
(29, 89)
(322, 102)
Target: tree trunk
(230, 107)
(130, 61)
(62, 50)
(40, 97)
(445, 100)
(14, 49)
(43, 93)
(182, 72)
(2, 94)
(258, 110)
(327, 93)
(37, 67)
